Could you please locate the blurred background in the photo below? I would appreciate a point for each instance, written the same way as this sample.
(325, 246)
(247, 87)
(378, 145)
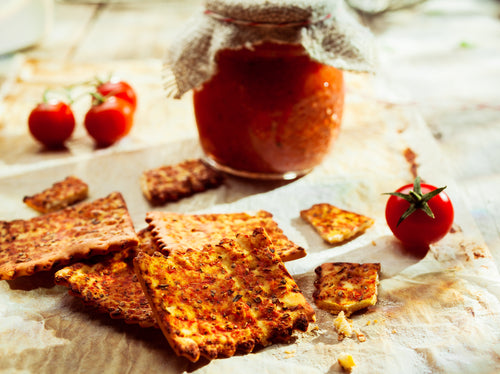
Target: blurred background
(441, 57)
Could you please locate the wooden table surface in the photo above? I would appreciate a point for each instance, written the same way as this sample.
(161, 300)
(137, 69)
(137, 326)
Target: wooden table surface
(440, 56)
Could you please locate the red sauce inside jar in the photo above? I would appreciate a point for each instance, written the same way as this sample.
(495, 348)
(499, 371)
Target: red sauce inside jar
(270, 111)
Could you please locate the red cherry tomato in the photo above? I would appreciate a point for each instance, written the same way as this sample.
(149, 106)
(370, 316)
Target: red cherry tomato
(110, 120)
(51, 123)
(120, 89)
(419, 229)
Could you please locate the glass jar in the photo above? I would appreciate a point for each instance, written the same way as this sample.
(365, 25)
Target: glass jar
(269, 112)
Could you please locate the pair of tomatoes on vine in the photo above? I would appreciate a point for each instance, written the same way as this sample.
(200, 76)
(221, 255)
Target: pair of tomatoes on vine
(109, 118)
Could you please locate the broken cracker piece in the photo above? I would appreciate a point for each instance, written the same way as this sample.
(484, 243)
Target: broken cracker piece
(335, 225)
(111, 284)
(228, 297)
(64, 236)
(60, 195)
(344, 286)
(173, 182)
(181, 231)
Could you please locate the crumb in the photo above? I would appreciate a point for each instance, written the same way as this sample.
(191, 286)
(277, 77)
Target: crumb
(361, 337)
(346, 362)
(343, 326)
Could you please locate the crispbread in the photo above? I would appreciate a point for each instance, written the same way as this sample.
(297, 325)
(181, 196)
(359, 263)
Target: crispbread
(227, 297)
(181, 231)
(335, 225)
(58, 238)
(344, 286)
(60, 195)
(111, 284)
(173, 182)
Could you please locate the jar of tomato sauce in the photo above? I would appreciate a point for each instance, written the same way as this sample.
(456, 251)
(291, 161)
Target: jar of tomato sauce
(271, 105)
(269, 111)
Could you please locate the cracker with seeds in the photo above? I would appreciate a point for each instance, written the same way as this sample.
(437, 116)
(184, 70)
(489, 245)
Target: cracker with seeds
(181, 231)
(347, 287)
(111, 284)
(229, 297)
(60, 195)
(336, 225)
(173, 182)
(61, 237)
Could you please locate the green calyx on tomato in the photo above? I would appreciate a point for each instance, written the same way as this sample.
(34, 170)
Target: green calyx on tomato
(417, 200)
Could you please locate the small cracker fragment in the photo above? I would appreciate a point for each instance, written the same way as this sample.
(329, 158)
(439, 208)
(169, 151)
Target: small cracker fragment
(228, 297)
(346, 362)
(111, 284)
(347, 287)
(173, 182)
(334, 224)
(181, 231)
(59, 238)
(60, 195)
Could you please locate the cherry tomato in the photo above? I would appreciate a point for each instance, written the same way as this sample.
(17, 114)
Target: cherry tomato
(108, 120)
(120, 89)
(419, 214)
(51, 123)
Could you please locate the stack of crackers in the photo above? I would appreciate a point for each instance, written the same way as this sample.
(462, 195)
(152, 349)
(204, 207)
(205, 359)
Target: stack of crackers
(215, 284)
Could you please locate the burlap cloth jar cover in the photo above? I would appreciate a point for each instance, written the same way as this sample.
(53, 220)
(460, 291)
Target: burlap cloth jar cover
(326, 29)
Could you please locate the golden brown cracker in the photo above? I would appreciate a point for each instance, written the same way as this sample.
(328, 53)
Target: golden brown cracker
(60, 195)
(225, 298)
(180, 231)
(348, 287)
(336, 225)
(61, 237)
(111, 284)
(173, 182)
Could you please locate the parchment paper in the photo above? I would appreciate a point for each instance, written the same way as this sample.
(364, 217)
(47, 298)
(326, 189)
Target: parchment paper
(440, 313)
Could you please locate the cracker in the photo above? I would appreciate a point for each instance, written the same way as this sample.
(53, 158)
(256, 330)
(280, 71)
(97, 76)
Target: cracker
(344, 286)
(61, 237)
(229, 297)
(173, 182)
(335, 225)
(181, 231)
(60, 195)
(111, 284)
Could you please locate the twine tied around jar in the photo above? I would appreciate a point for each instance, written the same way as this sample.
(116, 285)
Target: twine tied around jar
(326, 29)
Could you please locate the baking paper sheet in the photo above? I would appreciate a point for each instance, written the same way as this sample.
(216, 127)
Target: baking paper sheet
(440, 313)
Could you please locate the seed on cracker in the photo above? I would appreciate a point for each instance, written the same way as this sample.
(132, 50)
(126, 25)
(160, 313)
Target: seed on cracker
(181, 231)
(60, 195)
(111, 284)
(173, 182)
(61, 237)
(229, 297)
(335, 225)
